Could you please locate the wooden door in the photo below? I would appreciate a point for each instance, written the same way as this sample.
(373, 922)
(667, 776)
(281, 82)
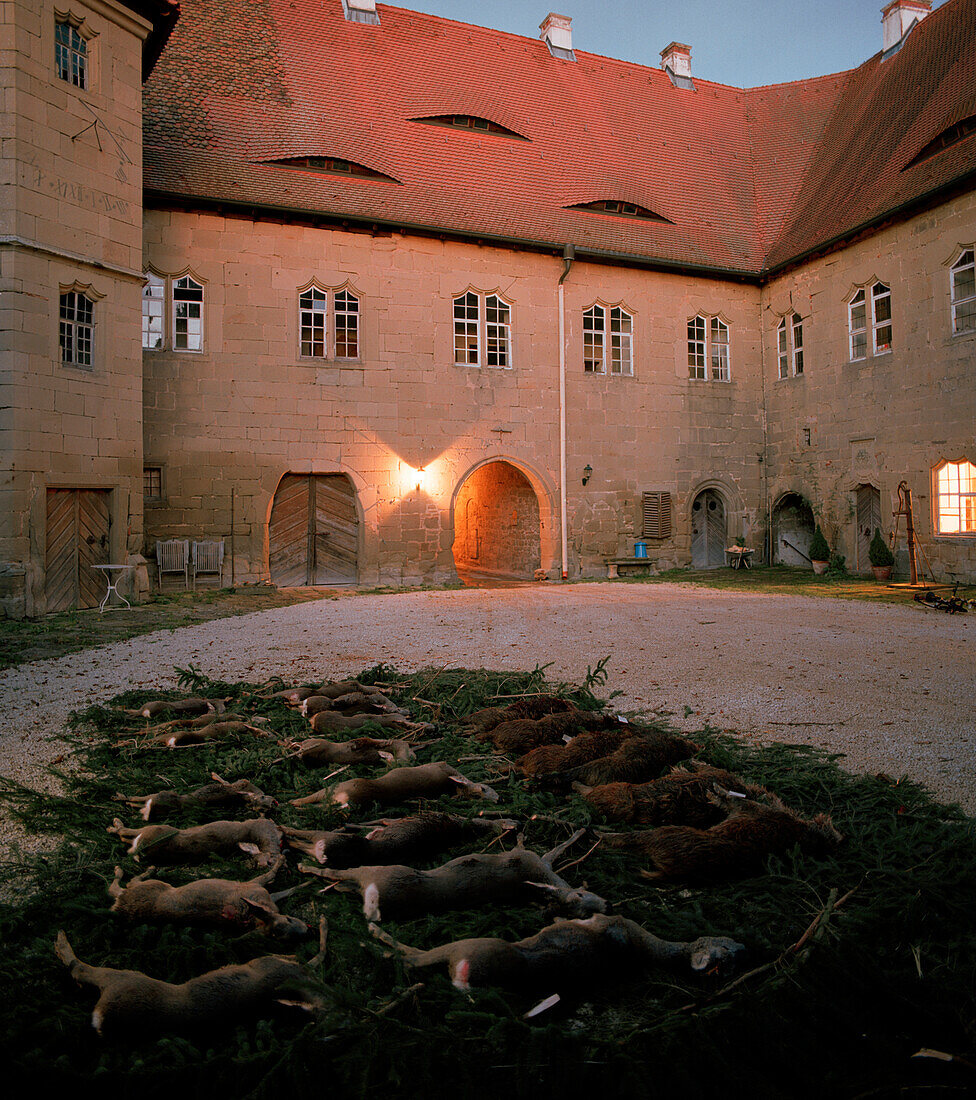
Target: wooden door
(708, 533)
(78, 536)
(313, 533)
(868, 517)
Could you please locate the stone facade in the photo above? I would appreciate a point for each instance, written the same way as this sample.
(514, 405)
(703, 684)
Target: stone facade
(70, 220)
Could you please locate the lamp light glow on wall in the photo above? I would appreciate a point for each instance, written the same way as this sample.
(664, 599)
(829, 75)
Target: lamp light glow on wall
(587, 470)
(421, 478)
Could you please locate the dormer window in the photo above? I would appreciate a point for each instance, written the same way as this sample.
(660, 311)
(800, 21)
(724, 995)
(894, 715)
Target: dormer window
(470, 122)
(618, 207)
(334, 166)
(959, 131)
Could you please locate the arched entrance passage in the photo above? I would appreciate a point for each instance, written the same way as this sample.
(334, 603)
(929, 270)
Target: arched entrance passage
(792, 530)
(708, 530)
(497, 523)
(313, 531)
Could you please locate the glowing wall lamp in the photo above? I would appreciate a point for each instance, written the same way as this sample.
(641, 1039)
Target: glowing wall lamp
(587, 470)
(421, 477)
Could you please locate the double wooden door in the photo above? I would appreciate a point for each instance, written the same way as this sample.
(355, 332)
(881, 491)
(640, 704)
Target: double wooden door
(313, 534)
(79, 524)
(708, 531)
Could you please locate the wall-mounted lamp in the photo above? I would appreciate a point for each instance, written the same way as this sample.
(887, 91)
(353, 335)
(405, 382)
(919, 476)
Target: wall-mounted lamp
(587, 470)
(421, 474)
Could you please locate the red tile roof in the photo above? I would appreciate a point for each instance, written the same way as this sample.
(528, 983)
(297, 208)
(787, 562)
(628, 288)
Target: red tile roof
(748, 179)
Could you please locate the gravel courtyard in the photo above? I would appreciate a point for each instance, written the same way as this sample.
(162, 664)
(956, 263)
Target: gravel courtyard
(891, 687)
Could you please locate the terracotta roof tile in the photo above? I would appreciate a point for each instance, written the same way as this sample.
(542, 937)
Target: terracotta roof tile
(742, 175)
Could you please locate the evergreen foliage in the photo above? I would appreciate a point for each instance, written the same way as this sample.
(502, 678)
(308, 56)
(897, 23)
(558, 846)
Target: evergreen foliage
(855, 961)
(819, 550)
(879, 553)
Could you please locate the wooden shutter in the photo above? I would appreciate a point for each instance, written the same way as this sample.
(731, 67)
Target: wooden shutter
(657, 514)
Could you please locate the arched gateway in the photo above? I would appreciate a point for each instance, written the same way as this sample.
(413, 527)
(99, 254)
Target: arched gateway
(497, 523)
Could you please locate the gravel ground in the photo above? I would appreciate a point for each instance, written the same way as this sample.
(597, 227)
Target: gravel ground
(891, 687)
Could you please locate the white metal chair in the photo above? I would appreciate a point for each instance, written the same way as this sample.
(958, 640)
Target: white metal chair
(173, 556)
(208, 559)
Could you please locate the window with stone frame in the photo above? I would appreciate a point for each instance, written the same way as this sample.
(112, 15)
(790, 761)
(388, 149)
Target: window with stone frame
(152, 483)
(482, 330)
(328, 323)
(869, 309)
(955, 495)
(313, 305)
(153, 311)
(963, 292)
(76, 329)
(709, 349)
(71, 54)
(345, 314)
(187, 314)
(608, 340)
(790, 345)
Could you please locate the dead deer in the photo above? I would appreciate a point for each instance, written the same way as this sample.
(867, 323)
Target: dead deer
(212, 731)
(353, 702)
(132, 1002)
(330, 721)
(464, 883)
(531, 706)
(518, 736)
(258, 837)
(641, 757)
(184, 707)
(679, 798)
(568, 955)
(211, 902)
(738, 846)
(240, 794)
(316, 752)
(580, 749)
(407, 840)
(399, 785)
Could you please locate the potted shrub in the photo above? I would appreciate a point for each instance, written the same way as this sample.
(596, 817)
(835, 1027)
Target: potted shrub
(819, 552)
(880, 556)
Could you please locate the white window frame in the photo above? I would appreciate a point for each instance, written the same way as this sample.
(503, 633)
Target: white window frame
(153, 310)
(328, 323)
(879, 321)
(709, 349)
(76, 329)
(313, 316)
(346, 327)
(482, 323)
(881, 297)
(188, 310)
(965, 303)
(954, 493)
(789, 346)
(608, 341)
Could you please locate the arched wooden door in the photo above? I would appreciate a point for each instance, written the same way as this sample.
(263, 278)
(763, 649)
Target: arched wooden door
(313, 533)
(708, 533)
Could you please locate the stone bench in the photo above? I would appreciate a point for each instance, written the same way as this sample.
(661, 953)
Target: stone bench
(614, 565)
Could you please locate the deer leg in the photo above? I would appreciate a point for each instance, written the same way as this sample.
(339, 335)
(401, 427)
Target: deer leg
(552, 856)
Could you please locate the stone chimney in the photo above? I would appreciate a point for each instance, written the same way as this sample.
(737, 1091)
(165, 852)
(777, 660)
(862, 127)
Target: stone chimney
(676, 62)
(361, 11)
(898, 18)
(557, 33)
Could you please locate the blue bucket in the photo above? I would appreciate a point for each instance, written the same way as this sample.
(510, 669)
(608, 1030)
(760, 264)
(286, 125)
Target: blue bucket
(640, 549)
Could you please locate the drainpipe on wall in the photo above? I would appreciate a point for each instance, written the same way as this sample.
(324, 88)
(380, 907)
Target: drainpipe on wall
(767, 518)
(569, 253)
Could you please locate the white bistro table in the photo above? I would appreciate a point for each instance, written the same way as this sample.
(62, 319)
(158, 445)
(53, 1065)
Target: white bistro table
(113, 582)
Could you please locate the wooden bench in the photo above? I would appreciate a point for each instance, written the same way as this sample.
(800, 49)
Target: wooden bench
(614, 565)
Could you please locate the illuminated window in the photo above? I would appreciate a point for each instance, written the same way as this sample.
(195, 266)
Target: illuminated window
(71, 54)
(608, 350)
(956, 498)
(790, 345)
(963, 292)
(76, 329)
(482, 330)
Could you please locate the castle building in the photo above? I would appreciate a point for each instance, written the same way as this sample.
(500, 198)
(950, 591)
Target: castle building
(374, 296)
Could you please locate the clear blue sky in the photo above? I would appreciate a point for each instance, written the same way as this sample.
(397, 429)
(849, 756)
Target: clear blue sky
(740, 42)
